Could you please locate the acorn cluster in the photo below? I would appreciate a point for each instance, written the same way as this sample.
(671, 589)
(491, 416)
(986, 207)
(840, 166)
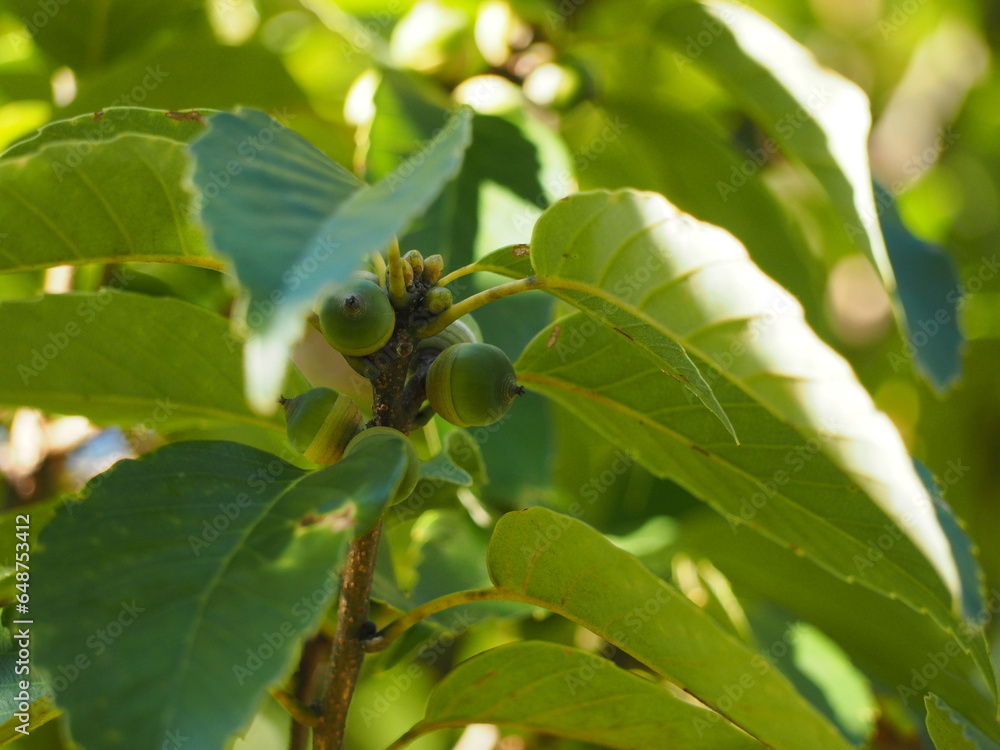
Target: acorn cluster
(465, 381)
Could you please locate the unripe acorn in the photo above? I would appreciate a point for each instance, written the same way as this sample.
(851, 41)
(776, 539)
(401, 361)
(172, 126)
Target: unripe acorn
(472, 385)
(437, 300)
(379, 439)
(357, 319)
(321, 424)
(433, 268)
(366, 276)
(465, 330)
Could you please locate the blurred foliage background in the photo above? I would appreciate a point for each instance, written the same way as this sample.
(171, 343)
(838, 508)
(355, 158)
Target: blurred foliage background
(573, 95)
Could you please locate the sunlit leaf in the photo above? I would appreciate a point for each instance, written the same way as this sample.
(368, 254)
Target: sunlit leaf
(561, 564)
(817, 116)
(120, 358)
(811, 490)
(115, 121)
(544, 687)
(928, 658)
(620, 256)
(106, 200)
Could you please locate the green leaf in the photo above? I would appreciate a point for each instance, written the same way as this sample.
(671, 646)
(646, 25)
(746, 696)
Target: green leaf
(120, 358)
(561, 564)
(864, 623)
(114, 121)
(513, 261)
(951, 731)
(962, 549)
(929, 291)
(611, 254)
(817, 116)
(190, 561)
(553, 689)
(107, 201)
(843, 692)
(294, 222)
(660, 277)
(840, 489)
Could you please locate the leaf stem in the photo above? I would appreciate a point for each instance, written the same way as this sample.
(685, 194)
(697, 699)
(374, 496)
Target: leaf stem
(397, 627)
(458, 273)
(476, 301)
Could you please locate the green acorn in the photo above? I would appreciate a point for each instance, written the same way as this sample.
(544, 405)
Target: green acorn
(465, 330)
(321, 423)
(472, 385)
(357, 319)
(381, 439)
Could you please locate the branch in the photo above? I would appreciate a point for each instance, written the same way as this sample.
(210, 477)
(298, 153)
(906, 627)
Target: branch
(348, 653)
(388, 410)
